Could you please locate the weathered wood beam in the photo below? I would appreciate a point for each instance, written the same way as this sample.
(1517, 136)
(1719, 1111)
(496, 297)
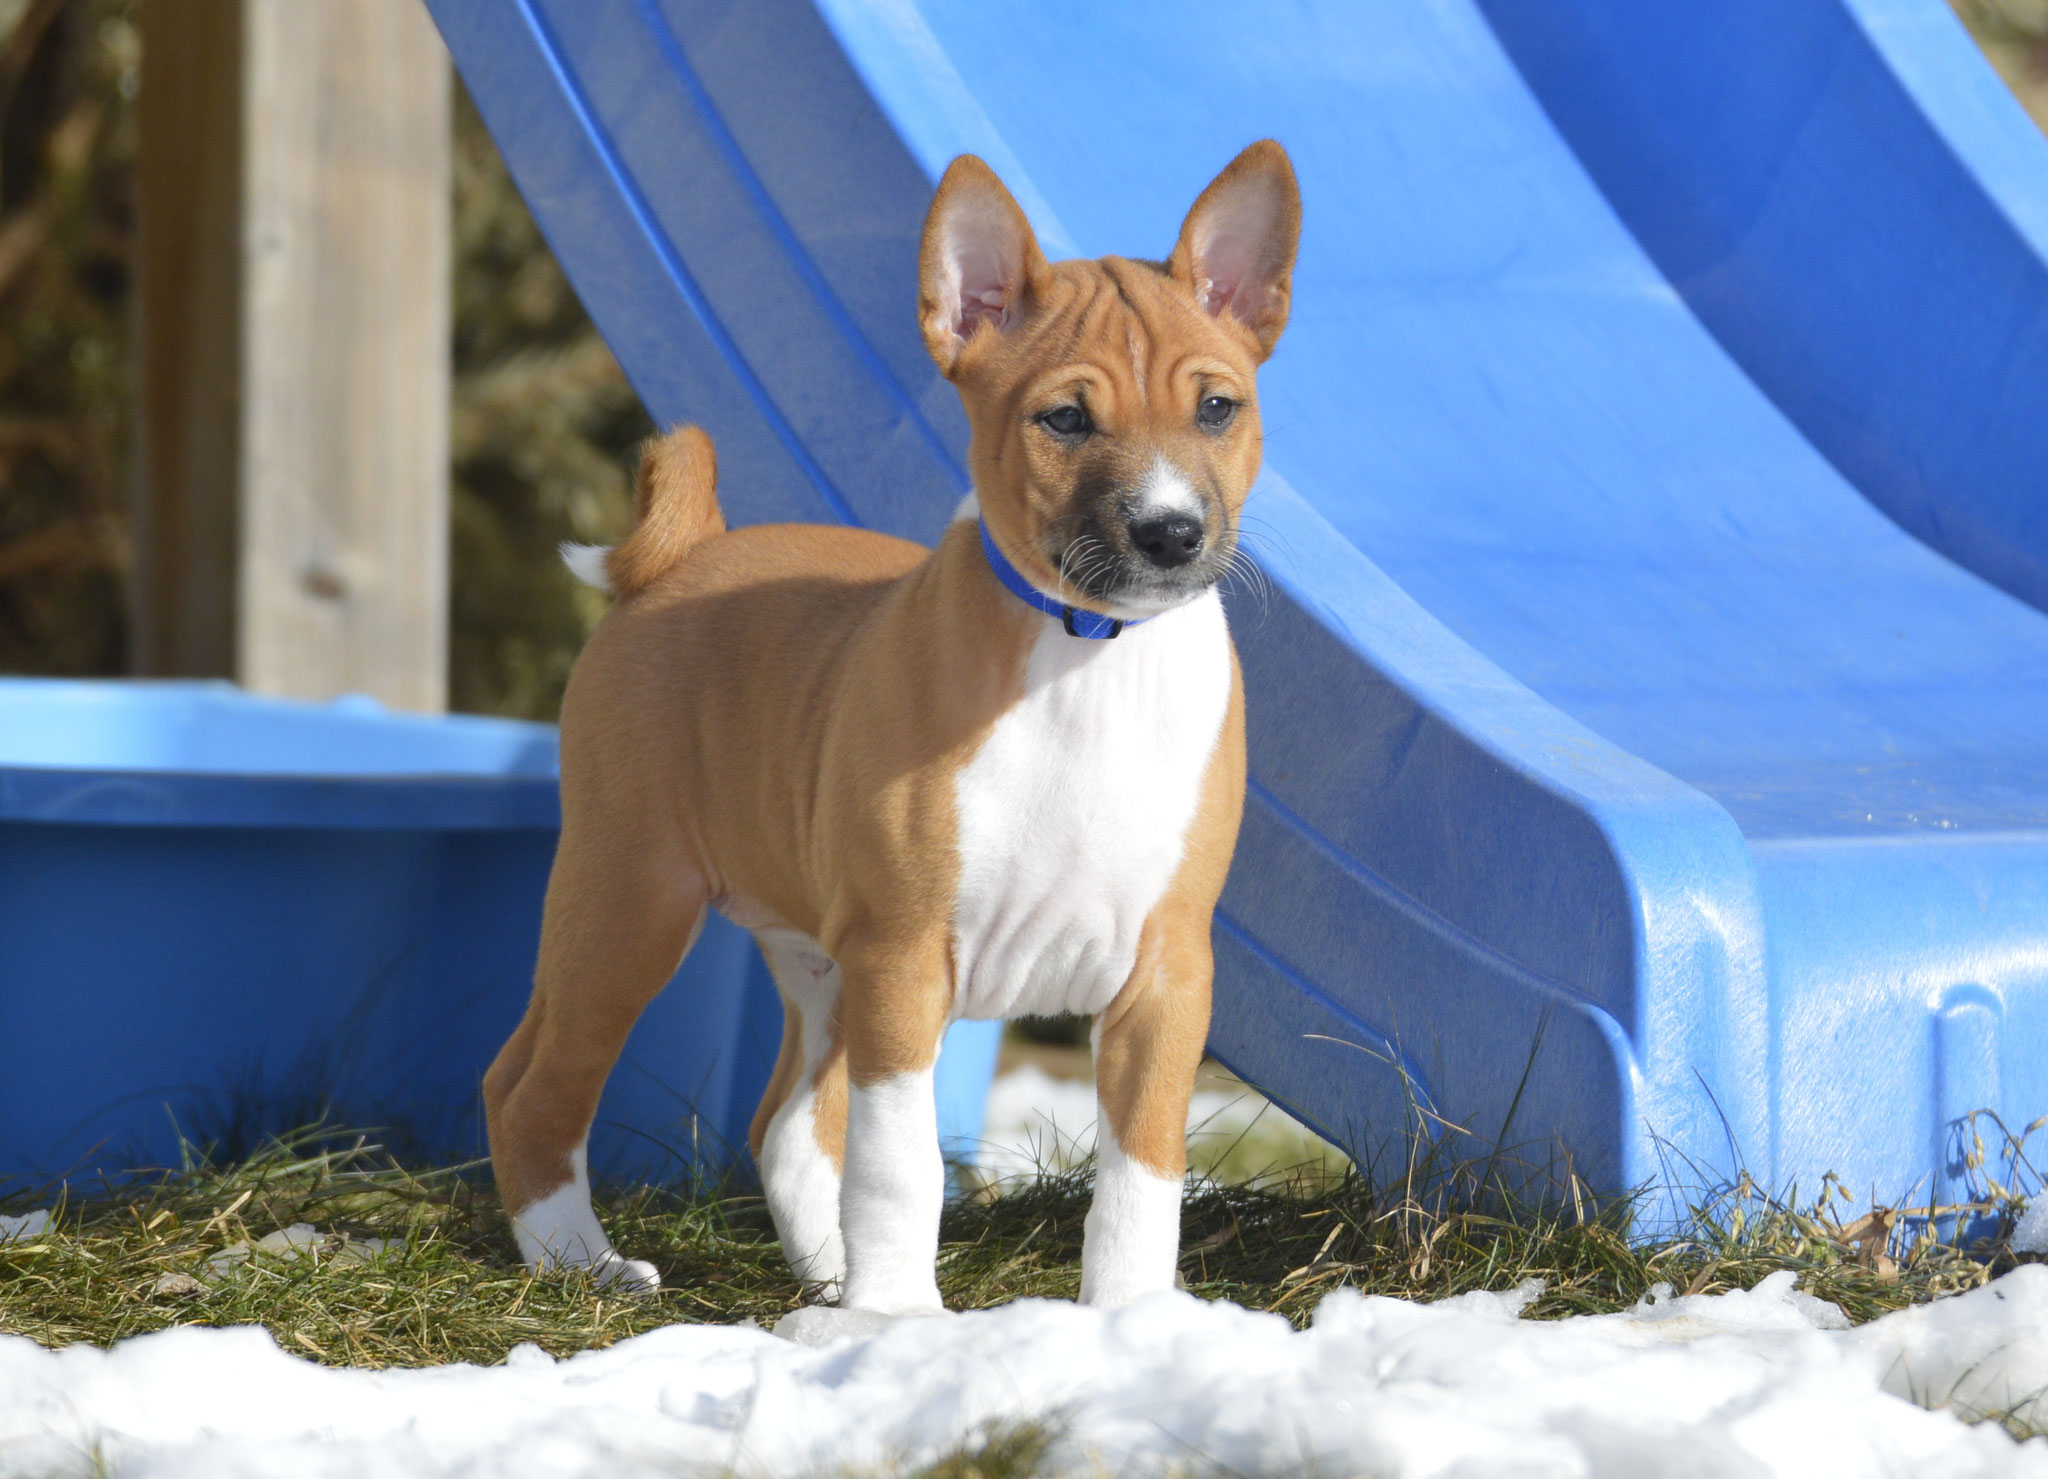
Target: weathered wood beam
(293, 520)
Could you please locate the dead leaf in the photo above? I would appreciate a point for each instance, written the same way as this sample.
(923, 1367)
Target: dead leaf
(1871, 1236)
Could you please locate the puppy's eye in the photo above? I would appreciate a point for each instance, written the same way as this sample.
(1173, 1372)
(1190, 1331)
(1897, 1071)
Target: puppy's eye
(1215, 412)
(1066, 421)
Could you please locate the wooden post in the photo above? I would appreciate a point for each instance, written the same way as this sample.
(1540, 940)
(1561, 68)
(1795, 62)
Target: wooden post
(292, 528)
(188, 339)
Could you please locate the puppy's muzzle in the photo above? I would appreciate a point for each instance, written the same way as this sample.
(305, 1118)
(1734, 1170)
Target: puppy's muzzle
(1168, 541)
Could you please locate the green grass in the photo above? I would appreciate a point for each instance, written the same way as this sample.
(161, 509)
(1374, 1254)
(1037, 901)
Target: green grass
(135, 1259)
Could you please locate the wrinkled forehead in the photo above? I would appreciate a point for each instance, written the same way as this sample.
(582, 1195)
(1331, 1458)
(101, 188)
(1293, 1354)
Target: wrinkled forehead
(1128, 318)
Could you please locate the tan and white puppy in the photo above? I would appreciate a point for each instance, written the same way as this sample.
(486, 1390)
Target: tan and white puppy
(929, 794)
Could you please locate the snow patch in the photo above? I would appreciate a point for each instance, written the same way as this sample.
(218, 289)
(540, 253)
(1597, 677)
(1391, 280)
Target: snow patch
(300, 1240)
(27, 1225)
(822, 1324)
(1506, 1307)
(1774, 1304)
(1762, 1383)
(2031, 1236)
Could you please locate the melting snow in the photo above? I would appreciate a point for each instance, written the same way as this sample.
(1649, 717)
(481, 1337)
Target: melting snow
(27, 1225)
(2031, 1236)
(1760, 1383)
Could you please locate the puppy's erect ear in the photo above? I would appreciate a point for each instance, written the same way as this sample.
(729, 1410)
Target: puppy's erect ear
(980, 263)
(1236, 248)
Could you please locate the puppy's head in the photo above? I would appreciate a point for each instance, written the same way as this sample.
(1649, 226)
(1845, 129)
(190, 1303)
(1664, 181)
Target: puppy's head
(1113, 403)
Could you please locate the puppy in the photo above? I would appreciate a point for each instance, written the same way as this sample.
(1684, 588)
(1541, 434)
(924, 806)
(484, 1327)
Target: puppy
(997, 778)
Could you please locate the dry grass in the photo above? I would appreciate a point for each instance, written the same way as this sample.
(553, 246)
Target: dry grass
(448, 1288)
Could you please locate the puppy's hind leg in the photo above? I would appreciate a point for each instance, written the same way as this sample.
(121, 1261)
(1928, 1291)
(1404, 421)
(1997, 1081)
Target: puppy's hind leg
(617, 922)
(799, 1132)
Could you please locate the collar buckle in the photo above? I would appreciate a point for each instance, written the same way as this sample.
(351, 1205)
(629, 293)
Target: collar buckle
(1114, 630)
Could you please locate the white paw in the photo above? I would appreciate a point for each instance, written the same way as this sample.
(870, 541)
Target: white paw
(1109, 1296)
(823, 1273)
(902, 1284)
(823, 1291)
(607, 1271)
(627, 1275)
(873, 1297)
(559, 1231)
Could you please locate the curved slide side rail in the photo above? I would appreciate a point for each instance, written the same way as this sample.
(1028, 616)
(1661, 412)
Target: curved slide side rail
(1472, 873)
(1856, 207)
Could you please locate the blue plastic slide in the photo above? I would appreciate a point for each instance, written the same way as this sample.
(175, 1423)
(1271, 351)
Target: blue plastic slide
(1649, 713)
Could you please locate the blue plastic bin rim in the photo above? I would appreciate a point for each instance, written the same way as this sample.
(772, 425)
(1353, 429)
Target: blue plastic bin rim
(344, 765)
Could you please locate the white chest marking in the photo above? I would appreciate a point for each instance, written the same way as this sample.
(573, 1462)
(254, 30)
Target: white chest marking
(1074, 812)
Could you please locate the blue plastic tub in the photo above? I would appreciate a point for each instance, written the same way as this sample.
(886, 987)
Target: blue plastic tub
(223, 916)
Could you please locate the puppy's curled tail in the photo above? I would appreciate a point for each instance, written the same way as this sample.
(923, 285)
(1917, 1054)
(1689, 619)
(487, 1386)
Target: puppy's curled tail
(676, 494)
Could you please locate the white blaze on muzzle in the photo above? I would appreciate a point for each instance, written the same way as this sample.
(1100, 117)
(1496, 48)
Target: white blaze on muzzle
(1165, 490)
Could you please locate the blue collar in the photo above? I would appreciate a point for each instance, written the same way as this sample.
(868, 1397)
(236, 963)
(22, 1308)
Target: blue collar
(1078, 623)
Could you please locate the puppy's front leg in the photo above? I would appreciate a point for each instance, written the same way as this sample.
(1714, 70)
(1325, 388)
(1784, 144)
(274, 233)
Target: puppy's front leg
(896, 1004)
(1148, 1044)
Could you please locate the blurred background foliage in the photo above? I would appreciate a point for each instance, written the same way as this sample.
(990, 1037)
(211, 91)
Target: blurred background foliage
(542, 433)
(543, 424)
(68, 73)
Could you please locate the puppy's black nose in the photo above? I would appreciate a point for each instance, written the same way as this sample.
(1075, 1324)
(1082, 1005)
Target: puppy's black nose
(1168, 542)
